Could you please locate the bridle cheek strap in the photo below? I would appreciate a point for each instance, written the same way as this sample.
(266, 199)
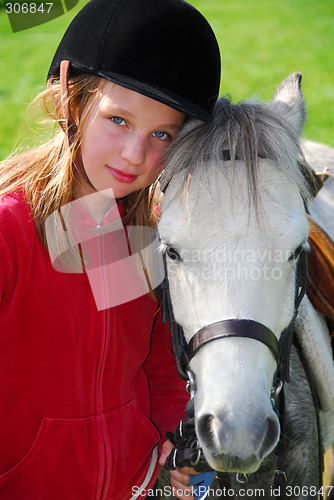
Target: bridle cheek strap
(287, 335)
(244, 328)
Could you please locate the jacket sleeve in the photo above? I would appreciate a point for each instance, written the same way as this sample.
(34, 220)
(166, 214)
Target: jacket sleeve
(167, 389)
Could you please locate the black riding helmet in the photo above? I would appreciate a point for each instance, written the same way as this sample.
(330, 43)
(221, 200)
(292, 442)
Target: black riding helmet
(164, 49)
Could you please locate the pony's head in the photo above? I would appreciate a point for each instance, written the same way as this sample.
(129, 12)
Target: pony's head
(232, 226)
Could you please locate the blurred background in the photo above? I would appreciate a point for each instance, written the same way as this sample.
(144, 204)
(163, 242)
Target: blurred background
(261, 42)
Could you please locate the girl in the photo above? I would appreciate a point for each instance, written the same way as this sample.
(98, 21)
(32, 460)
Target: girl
(88, 381)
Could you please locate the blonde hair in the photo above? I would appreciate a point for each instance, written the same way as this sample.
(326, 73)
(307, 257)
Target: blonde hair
(47, 173)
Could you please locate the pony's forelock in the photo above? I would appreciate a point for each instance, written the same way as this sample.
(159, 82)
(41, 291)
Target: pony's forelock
(246, 131)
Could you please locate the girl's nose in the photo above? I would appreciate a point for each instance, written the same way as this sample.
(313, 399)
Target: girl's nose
(134, 149)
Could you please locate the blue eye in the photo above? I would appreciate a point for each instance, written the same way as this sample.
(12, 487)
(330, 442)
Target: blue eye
(117, 120)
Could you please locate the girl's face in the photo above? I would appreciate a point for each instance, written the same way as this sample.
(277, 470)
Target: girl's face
(124, 137)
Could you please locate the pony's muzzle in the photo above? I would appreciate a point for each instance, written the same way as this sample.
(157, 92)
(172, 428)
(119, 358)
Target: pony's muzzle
(229, 447)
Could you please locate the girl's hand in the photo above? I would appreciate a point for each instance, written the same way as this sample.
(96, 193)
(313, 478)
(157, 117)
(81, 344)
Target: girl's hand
(179, 478)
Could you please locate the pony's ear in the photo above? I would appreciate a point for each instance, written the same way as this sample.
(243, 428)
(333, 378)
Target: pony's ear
(289, 102)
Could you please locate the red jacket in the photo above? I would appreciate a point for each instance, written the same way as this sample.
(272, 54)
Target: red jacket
(86, 395)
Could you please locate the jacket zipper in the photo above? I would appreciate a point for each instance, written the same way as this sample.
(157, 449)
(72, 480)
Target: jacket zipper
(104, 487)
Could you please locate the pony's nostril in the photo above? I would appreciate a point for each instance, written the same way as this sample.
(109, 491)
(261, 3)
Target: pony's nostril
(204, 428)
(272, 435)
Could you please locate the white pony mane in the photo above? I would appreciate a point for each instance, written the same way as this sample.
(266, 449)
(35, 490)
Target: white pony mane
(247, 131)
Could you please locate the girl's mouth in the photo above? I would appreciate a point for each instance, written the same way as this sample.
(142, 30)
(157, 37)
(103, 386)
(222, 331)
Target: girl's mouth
(121, 176)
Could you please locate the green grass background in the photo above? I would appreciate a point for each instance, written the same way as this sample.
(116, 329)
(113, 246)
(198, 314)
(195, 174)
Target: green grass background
(261, 42)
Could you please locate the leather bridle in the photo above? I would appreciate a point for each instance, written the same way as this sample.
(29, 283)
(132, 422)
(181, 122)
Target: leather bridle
(246, 328)
(243, 328)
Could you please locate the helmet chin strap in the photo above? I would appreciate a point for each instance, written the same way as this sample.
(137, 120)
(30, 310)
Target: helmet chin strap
(68, 123)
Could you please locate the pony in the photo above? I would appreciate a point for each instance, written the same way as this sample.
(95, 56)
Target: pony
(234, 233)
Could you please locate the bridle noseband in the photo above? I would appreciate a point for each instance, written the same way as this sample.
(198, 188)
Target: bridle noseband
(245, 328)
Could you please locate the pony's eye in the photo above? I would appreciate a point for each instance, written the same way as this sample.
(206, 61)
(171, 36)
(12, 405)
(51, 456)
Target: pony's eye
(296, 253)
(173, 253)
